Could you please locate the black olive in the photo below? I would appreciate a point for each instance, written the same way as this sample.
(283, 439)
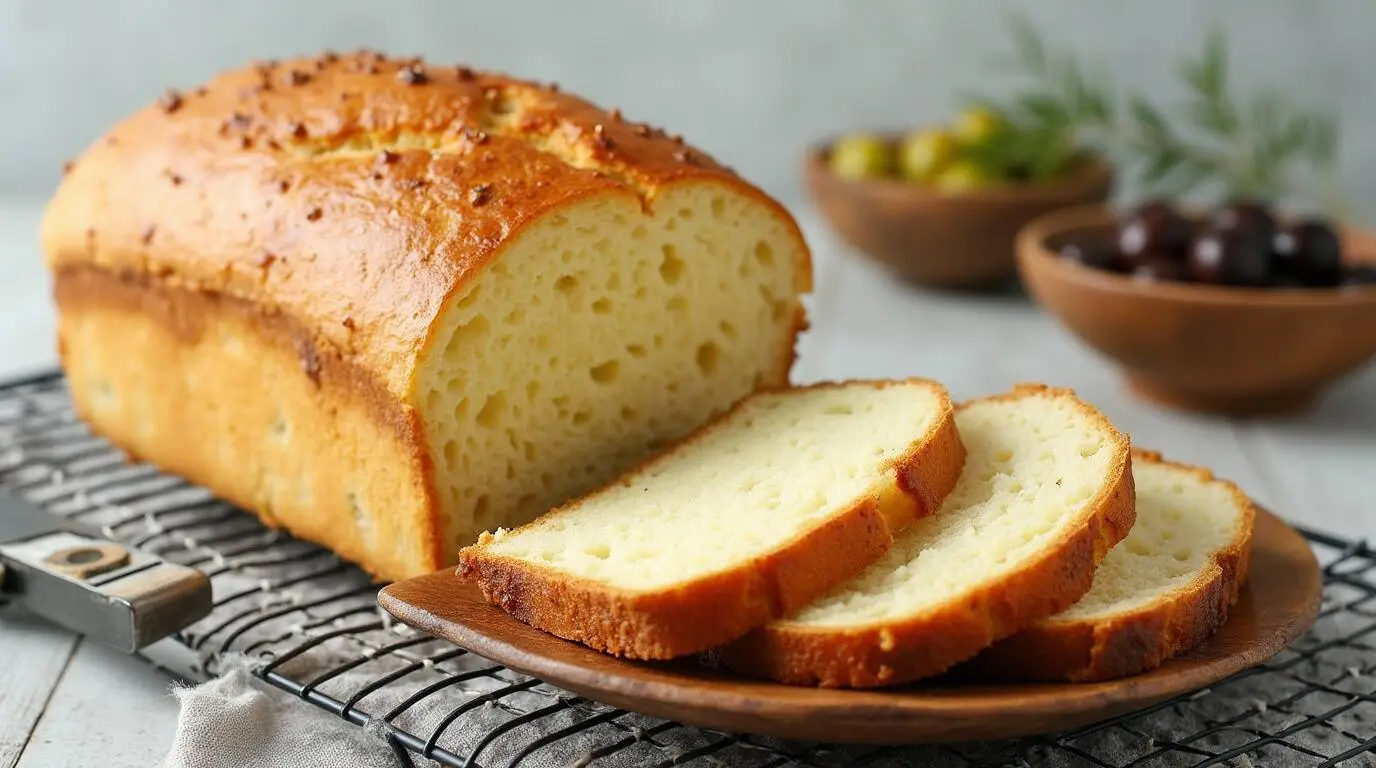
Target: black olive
(1234, 256)
(1154, 227)
(1310, 254)
(1249, 215)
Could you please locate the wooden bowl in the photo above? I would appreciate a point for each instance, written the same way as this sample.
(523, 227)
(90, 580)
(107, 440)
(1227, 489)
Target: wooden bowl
(1227, 350)
(950, 240)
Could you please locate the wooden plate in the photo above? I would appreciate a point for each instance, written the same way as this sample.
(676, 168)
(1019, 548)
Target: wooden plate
(1278, 604)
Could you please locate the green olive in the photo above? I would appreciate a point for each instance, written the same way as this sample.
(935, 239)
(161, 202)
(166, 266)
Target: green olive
(977, 125)
(963, 176)
(925, 154)
(861, 156)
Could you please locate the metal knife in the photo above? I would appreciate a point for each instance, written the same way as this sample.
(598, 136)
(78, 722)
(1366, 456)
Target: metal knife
(74, 576)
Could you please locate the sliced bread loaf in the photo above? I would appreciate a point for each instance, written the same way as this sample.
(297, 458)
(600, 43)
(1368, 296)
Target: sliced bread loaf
(1163, 590)
(1047, 489)
(751, 517)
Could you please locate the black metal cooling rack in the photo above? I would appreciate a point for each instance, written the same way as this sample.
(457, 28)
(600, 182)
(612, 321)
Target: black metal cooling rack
(307, 623)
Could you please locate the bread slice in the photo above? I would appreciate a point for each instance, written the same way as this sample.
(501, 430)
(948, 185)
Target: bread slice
(1163, 590)
(749, 518)
(1046, 491)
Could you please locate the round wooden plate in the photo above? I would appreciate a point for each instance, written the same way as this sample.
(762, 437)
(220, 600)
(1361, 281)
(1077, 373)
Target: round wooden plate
(1278, 603)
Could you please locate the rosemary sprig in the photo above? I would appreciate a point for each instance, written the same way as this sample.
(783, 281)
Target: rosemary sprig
(1259, 147)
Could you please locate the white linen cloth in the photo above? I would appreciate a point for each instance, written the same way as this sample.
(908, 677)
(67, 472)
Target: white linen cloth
(236, 720)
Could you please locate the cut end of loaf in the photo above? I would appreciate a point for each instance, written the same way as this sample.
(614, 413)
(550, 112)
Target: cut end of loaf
(751, 516)
(603, 332)
(1046, 490)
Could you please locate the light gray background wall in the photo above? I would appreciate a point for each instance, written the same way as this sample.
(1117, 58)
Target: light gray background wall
(751, 81)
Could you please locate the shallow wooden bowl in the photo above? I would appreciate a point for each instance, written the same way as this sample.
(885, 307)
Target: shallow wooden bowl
(940, 239)
(1226, 350)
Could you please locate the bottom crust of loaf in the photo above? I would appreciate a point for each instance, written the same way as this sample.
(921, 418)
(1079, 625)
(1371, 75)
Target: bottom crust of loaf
(209, 389)
(1130, 643)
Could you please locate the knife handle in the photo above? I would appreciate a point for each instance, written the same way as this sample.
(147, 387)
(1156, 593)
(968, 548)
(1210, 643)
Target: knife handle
(77, 578)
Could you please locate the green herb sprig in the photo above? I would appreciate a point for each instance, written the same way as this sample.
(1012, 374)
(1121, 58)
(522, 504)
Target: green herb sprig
(1261, 147)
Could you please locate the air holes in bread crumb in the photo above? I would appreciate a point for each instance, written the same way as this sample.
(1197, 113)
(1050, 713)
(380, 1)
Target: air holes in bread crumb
(708, 356)
(764, 254)
(718, 207)
(566, 284)
(728, 330)
(599, 551)
(636, 350)
(602, 306)
(671, 266)
(606, 372)
(492, 410)
(678, 304)
(840, 409)
(581, 418)
(470, 297)
(470, 333)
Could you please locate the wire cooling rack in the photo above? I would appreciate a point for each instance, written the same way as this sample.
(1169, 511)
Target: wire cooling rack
(308, 624)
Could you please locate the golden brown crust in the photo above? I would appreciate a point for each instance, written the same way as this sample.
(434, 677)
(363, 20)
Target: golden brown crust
(921, 646)
(696, 616)
(352, 193)
(1126, 644)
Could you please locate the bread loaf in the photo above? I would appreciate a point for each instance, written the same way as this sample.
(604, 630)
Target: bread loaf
(1047, 489)
(749, 518)
(387, 305)
(1161, 591)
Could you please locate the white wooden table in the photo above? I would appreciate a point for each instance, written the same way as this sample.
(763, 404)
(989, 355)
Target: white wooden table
(68, 702)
